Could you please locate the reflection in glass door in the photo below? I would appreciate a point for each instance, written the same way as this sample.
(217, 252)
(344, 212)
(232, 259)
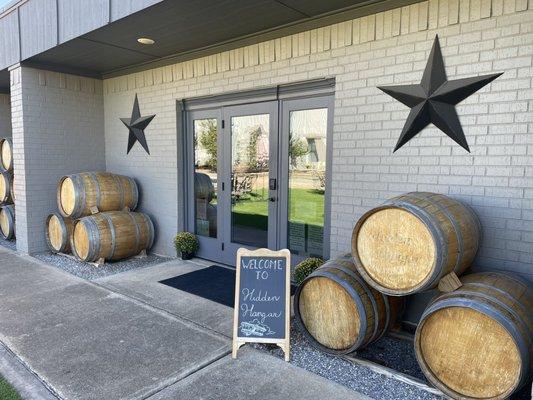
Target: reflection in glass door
(205, 176)
(250, 141)
(203, 187)
(305, 143)
(249, 179)
(307, 181)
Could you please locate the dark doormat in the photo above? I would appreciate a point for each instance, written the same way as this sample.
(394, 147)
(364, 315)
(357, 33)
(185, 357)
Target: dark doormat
(214, 283)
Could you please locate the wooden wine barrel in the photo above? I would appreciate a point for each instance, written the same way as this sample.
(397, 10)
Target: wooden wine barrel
(6, 154)
(338, 312)
(6, 185)
(58, 233)
(203, 186)
(7, 221)
(112, 235)
(409, 243)
(476, 342)
(78, 193)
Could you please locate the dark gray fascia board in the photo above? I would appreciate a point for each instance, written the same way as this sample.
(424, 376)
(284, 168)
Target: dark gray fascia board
(361, 10)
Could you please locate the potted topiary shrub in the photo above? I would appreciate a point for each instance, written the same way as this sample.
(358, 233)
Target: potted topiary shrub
(187, 244)
(304, 268)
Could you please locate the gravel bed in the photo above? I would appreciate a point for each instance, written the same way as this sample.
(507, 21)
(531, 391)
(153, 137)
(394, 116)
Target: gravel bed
(396, 354)
(349, 374)
(90, 272)
(10, 244)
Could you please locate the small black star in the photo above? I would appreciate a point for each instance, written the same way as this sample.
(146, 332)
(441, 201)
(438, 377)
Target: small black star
(136, 125)
(434, 99)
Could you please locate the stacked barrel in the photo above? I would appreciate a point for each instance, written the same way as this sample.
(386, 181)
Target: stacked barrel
(7, 198)
(339, 312)
(474, 340)
(96, 221)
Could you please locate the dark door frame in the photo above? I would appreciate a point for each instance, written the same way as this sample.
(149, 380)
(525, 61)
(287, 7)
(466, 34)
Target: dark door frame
(306, 95)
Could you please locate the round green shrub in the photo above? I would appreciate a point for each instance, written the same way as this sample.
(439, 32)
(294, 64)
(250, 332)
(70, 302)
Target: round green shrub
(186, 242)
(304, 268)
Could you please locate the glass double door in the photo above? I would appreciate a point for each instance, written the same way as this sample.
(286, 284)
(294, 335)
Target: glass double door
(257, 178)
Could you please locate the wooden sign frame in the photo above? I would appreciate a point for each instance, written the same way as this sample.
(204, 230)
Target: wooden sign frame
(283, 343)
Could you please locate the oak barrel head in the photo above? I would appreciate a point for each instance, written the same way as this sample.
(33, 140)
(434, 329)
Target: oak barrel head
(4, 224)
(66, 196)
(395, 248)
(470, 353)
(5, 187)
(7, 221)
(80, 240)
(412, 241)
(6, 154)
(329, 313)
(476, 342)
(58, 233)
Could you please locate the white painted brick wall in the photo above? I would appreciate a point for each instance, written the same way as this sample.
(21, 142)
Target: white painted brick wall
(5, 115)
(57, 130)
(496, 179)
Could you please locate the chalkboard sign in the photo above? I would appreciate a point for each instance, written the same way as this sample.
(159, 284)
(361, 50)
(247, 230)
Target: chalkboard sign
(262, 298)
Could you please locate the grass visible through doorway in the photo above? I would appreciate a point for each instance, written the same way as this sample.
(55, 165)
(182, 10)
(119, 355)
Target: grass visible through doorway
(305, 206)
(7, 392)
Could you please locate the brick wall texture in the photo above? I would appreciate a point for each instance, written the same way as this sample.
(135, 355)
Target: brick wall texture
(392, 47)
(57, 130)
(5, 115)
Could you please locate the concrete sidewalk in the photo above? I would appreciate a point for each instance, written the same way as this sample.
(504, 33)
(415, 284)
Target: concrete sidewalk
(84, 341)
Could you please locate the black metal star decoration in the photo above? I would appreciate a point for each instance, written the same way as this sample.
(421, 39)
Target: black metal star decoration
(433, 100)
(136, 125)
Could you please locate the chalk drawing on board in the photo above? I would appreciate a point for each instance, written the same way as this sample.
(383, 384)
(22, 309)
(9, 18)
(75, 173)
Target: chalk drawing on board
(255, 328)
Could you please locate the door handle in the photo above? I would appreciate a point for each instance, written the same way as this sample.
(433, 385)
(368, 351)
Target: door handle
(272, 199)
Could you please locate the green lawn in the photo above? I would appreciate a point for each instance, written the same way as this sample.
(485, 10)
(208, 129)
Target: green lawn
(7, 392)
(305, 206)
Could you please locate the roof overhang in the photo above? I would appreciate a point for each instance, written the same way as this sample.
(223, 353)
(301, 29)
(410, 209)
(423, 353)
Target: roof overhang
(99, 38)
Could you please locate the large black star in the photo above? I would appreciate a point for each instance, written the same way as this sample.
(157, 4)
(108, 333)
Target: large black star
(434, 99)
(136, 125)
